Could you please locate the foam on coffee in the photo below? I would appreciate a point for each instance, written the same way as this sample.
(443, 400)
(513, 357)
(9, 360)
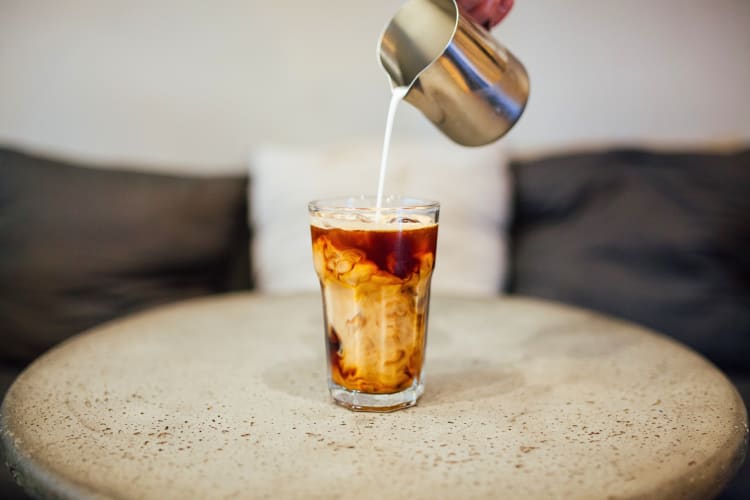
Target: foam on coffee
(370, 221)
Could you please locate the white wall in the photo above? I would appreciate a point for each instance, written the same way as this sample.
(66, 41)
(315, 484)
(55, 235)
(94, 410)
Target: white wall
(189, 82)
(675, 71)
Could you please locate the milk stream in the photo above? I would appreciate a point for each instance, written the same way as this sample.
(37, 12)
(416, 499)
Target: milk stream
(397, 96)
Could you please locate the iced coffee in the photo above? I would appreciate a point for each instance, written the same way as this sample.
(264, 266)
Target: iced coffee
(375, 266)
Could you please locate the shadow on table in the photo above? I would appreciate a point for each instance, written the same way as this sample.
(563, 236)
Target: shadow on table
(450, 381)
(453, 380)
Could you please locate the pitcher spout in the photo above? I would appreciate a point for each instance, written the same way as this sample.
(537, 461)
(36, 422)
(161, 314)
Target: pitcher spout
(467, 84)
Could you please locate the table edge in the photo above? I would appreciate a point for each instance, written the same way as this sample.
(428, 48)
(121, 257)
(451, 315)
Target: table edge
(47, 484)
(31, 477)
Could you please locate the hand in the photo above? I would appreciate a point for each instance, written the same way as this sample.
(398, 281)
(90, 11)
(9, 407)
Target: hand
(486, 12)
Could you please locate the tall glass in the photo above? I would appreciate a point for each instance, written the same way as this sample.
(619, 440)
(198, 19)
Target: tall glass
(375, 267)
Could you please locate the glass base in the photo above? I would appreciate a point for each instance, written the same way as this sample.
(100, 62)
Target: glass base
(380, 403)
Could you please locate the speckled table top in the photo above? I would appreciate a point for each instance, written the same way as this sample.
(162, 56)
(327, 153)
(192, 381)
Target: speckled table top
(226, 398)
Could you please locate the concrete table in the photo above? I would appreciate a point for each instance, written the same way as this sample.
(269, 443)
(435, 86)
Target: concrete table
(226, 398)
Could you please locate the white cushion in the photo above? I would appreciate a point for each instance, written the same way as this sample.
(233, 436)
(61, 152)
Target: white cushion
(471, 185)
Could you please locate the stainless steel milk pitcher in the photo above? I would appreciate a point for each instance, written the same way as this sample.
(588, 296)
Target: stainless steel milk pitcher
(465, 82)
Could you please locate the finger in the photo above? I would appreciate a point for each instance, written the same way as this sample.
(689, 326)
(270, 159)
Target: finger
(482, 12)
(491, 12)
(502, 10)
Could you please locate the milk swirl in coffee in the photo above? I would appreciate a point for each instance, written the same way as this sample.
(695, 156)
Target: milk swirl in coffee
(375, 279)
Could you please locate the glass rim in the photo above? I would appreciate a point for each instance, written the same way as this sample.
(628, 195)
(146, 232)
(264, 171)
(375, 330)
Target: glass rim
(366, 202)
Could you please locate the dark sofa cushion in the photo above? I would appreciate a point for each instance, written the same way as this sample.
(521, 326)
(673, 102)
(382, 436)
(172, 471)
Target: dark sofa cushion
(79, 246)
(657, 238)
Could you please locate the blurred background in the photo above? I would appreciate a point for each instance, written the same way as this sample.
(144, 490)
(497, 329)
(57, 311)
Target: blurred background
(97, 96)
(195, 83)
